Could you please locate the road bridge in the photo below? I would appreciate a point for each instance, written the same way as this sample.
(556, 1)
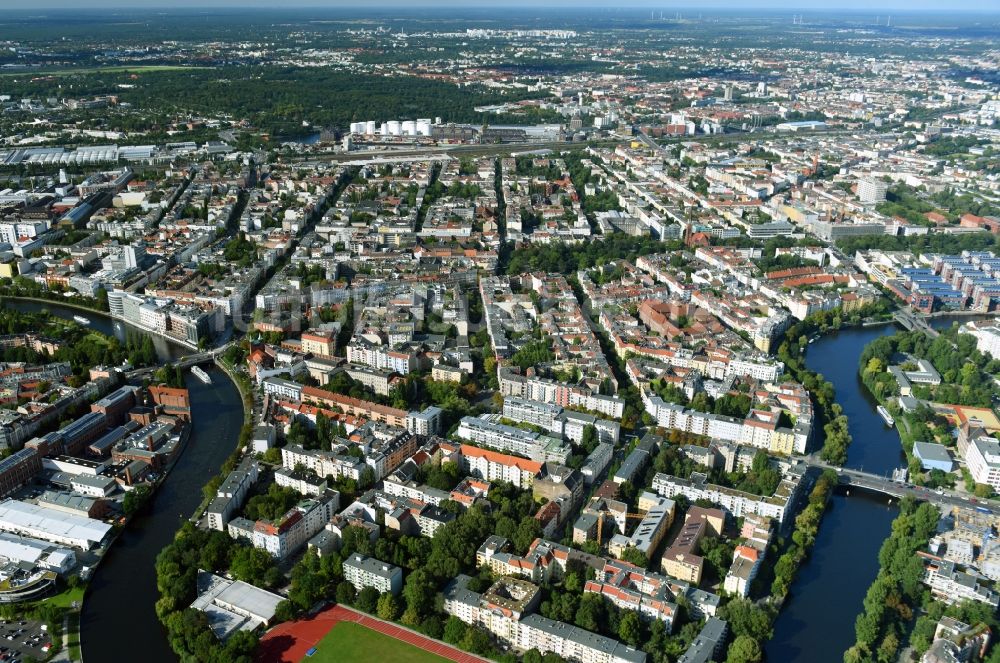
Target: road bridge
(907, 319)
(942, 498)
(184, 362)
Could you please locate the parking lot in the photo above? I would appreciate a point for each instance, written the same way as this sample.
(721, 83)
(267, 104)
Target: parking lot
(20, 640)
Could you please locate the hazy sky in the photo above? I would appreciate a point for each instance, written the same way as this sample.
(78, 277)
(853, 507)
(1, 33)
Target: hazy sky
(991, 6)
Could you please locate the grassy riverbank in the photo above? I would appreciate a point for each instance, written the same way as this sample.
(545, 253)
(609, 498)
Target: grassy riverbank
(752, 622)
(828, 415)
(897, 593)
(966, 379)
(22, 288)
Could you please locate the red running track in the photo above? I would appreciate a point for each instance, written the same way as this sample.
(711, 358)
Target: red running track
(289, 642)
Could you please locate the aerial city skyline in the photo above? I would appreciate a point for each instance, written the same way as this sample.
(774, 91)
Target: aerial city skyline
(516, 332)
(905, 7)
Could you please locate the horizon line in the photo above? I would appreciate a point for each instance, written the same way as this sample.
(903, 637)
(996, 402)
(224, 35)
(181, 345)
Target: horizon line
(267, 5)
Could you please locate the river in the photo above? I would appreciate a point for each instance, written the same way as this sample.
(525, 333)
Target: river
(119, 611)
(816, 624)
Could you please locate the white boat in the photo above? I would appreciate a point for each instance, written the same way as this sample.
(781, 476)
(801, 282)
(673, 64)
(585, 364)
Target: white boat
(199, 373)
(886, 417)
(82, 320)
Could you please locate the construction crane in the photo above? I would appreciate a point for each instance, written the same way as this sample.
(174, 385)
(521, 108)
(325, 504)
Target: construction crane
(600, 523)
(989, 542)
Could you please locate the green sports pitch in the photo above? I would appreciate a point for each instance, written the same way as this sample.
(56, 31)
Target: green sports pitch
(347, 641)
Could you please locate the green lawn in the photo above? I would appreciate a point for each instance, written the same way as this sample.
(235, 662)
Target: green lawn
(73, 638)
(352, 642)
(66, 598)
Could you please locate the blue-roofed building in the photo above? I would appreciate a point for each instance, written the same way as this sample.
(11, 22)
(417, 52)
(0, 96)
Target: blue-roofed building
(933, 456)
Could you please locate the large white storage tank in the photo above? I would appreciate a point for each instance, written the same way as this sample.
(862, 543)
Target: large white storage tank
(394, 128)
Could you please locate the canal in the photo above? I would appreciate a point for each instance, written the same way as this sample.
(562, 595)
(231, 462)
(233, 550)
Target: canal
(817, 622)
(119, 618)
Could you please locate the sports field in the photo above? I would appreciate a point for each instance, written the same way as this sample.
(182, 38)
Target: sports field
(339, 633)
(352, 642)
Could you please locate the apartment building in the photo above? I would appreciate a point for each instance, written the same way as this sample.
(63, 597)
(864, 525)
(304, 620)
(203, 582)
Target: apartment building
(950, 585)
(559, 421)
(710, 643)
(506, 611)
(323, 463)
(632, 588)
(655, 523)
(318, 342)
(18, 469)
(381, 382)
(231, 494)
(778, 506)
(382, 357)
(746, 563)
(426, 422)
(509, 439)
(596, 462)
(398, 486)
(285, 536)
(301, 481)
(987, 337)
(760, 429)
(544, 390)
(494, 466)
(354, 406)
(982, 456)
(363, 571)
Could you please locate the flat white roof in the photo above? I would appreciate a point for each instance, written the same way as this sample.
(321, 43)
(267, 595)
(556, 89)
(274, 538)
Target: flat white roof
(233, 604)
(43, 521)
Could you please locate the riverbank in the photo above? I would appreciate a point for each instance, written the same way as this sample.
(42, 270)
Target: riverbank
(897, 591)
(57, 302)
(246, 433)
(107, 314)
(803, 537)
(828, 415)
(816, 621)
(965, 378)
(246, 390)
(75, 616)
(843, 561)
(111, 625)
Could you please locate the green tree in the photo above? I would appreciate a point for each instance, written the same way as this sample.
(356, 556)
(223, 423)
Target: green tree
(345, 593)
(419, 592)
(744, 649)
(253, 565)
(749, 619)
(367, 600)
(389, 607)
(630, 628)
(454, 630)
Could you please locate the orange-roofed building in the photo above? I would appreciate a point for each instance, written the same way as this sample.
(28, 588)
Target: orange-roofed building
(494, 466)
(174, 401)
(746, 563)
(355, 406)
